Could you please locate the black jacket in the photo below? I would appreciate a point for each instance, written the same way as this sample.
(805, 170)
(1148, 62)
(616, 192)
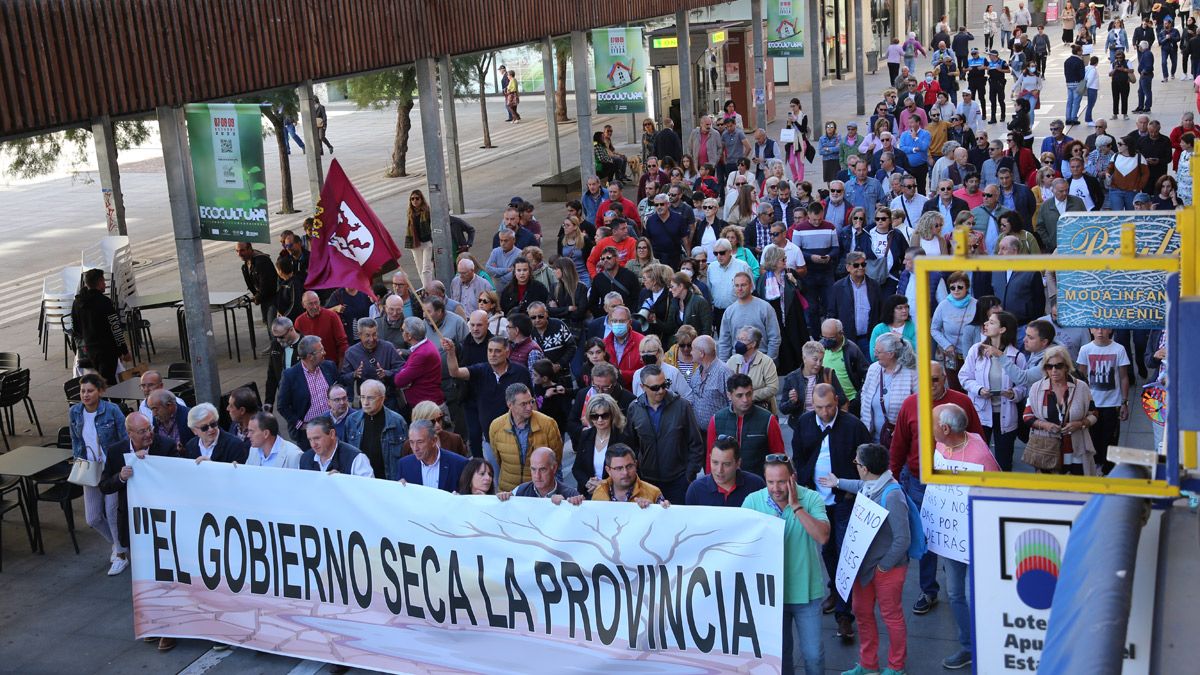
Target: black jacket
(229, 449)
(276, 366)
(674, 449)
(697, 313)
(96, 324)
(957, 206)
(575, 419)
(564, 301)
(259, 275)
(1024, 295)
(846, 434)
(535, 291)
(668, 144)
(110, 478)
(795, 381)
(288, 296)
(602, 284)
(841, 306)
(585, 455)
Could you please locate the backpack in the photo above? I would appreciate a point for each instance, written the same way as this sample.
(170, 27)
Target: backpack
(916, 531)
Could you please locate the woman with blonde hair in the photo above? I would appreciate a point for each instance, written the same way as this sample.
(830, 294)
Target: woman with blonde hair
(448, 440)
(1044, 180)
(680, 353)
(1059, 410)
(419, 236)
(927, 235)
(539, 270)
(604, 427)
(643, 257)
(489, 301)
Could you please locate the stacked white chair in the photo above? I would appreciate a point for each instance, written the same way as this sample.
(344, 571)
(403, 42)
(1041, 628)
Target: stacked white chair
(58, 294)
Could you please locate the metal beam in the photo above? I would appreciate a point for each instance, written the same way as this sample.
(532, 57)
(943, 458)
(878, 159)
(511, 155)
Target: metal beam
(454, 164)
(860, 96)
(683, 54)
(816, 48)
(435, 171)
(185, 216)
(551, 121)
(105, 140)
(312, 142)
(583, 106)
(759, 95)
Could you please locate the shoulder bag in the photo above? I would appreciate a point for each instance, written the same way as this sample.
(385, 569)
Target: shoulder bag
(85, 472)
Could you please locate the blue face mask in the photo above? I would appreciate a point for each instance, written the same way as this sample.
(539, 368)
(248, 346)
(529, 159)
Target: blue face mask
(829, 343)
(620, 329)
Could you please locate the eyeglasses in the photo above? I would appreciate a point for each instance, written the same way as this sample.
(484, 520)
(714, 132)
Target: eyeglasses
(958, 287)
(710, 208)
(206, 427)
(882, 219)
(913, 186)
(600, 416)
(485, 301)
(858, 218)
(858, 265)
(685, 345)
(722, 252)
(1057, 365)
(537, 317)
(945, 189)
(656, 387)
(439, 419)
(776, 233)
(858, 463)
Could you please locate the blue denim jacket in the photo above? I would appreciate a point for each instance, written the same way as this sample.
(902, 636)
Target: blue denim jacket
(110, 427)
(395, 432)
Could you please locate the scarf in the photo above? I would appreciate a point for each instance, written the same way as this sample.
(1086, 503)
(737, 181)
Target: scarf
(871, 488)
(1126, 164)
(960, 304)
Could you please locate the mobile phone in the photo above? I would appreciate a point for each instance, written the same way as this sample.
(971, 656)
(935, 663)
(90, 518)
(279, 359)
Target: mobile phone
(996, 392)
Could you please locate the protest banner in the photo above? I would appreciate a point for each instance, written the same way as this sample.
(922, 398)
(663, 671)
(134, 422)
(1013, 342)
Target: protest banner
(944, 513)
(865, 521)
(403, 578)
(620, 64)
(1116, 298)
(785, 27)
(227, 170)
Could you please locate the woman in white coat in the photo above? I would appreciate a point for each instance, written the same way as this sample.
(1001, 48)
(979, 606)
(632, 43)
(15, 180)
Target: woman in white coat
(994, 395)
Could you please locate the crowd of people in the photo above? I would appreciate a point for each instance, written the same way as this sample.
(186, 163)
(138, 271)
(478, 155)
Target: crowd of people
(705, 296)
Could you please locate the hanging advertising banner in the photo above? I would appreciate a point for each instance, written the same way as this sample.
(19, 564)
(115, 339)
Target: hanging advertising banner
(620, 70)
(227, 167)
(1116, 299)
(785, 27)
(1018, 540)
(403, 578)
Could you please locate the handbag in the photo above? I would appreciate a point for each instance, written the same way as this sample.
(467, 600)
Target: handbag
(85, 472)
(809, 151)
(885, 432)
(1043, 450)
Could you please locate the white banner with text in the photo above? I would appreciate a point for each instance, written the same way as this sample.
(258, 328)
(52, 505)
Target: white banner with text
(400, 578)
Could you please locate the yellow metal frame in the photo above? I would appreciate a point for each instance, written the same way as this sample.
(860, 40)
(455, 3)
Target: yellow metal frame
(1126, 259)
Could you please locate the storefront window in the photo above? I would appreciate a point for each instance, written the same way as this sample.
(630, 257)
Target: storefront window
(881, 25)
(835, 26)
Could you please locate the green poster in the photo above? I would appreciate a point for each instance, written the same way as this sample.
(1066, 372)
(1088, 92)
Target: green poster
(227, 166)
(620, 70)
(785, 27)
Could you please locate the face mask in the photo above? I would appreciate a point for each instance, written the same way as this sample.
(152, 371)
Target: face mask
(829, 343)
(929, 79)
(649, 359)
(620, 329)
(740, 348)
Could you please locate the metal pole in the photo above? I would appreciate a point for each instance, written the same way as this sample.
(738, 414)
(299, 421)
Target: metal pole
(760, 65)
(583, 106)
(551, 122)
(450, 118)
(814, 62)
(185, 216)
(860, 94)
(435, 171)
(312, 140)
(683, 51)
(110, 175)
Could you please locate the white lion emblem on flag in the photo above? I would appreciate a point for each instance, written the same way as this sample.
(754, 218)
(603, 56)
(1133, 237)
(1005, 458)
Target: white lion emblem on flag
(357, 242)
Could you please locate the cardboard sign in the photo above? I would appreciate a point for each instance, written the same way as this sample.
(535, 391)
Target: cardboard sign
(865, 521)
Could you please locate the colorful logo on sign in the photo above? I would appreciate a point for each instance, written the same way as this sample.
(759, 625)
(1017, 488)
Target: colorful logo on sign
(1038, 556)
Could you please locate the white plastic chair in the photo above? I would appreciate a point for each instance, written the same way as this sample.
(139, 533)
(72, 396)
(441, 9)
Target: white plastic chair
(58, 295)
(106, 253)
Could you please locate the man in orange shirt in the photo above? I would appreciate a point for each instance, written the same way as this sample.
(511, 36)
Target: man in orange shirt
(626, 246)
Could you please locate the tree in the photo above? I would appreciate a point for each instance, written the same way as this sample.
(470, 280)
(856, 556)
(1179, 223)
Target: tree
(475, 67)
(278, 106)
(39, 155)
(562, 52)
(381, 90)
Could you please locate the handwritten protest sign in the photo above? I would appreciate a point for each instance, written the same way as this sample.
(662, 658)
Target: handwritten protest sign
(865, 521)
(944, 513)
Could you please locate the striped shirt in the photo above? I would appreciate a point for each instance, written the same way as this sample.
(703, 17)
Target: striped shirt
(318, 393)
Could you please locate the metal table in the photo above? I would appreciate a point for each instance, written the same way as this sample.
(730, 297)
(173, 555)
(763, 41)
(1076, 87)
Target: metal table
(131, 390)
(136, 304)
(227, 302)
(25, 463)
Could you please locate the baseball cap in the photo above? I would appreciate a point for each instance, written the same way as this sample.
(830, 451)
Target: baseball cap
(851, 125)
(516, 201)
(1141, 198)
(995, 52)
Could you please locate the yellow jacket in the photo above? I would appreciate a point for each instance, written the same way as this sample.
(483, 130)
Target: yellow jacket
(514, 469)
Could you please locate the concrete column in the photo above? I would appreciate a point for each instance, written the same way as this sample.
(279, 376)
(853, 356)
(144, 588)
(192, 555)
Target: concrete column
(551, 124)
(450, 118)
(105, 140)
(683, 52)
(860, 96)
(583, 106)
(435, 171)
(312, 141)
(185, 216)
(815, 62)
(759, 95)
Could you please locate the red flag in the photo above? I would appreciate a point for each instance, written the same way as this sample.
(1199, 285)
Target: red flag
(349, 243)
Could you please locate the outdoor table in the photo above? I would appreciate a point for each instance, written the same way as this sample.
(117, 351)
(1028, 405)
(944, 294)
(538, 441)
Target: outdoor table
(131, 390)
(136, 304)
(227, 302)
(25, 463)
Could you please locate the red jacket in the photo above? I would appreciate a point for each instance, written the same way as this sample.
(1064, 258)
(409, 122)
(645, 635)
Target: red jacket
(328, 327)
(422, 375)
(630, 361)
(628, 212)
(905, 439)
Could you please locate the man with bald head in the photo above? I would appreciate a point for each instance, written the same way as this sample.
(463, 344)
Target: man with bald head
(117, 472)
(466, 286)
(170, 419)
(543, 483)
(377, 432)
(325, 324)
(151, 381)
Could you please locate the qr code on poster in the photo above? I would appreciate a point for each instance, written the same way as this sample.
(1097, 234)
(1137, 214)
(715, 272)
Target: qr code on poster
(226, 145)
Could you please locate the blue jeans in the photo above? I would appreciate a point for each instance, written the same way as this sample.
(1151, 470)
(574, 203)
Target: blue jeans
(915, 490)
(1119, 200)
(290, 132)
(1173, 55)
(1091, 99)
(1003, 442)
(1145, 91)
(1073, 99)
(1032, 105)
(807, 621)
(956, 588)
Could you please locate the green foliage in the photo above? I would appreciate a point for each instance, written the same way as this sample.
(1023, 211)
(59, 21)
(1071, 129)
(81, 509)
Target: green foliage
(40, 155)
(467, 72)
(383, 89)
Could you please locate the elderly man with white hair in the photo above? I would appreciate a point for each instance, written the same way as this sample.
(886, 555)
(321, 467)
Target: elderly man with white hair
(377, 432)
(420, 378)
(707, 381)
(211, 441)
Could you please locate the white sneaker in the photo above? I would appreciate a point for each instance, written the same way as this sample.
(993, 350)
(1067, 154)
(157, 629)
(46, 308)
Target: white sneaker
(118, 566)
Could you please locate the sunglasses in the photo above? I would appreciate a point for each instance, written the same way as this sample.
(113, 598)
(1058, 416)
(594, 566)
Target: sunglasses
(858, 218)
(837, 191)
(776, 458)
(439, 419)
(685, 345)
(909, 187)
(656, 387)
(776, 233)
(206, 427)
(958, 287)
(1057, 365)
(485, 301)
(882, 219)
(537, 317)
(858, 265)
(722, 252)
(710, 208)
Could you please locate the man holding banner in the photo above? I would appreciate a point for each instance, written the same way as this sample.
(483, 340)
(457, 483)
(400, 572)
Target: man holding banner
(806, 529)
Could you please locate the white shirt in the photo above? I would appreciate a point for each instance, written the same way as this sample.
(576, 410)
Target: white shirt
(1079, 188)
(824, 464)
(791, 253)
(91, 440)
(283, 455)
(431, 472)
(361, 466)
(206, 451)
(1061, 206)
(679, 383)
(912, 208)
